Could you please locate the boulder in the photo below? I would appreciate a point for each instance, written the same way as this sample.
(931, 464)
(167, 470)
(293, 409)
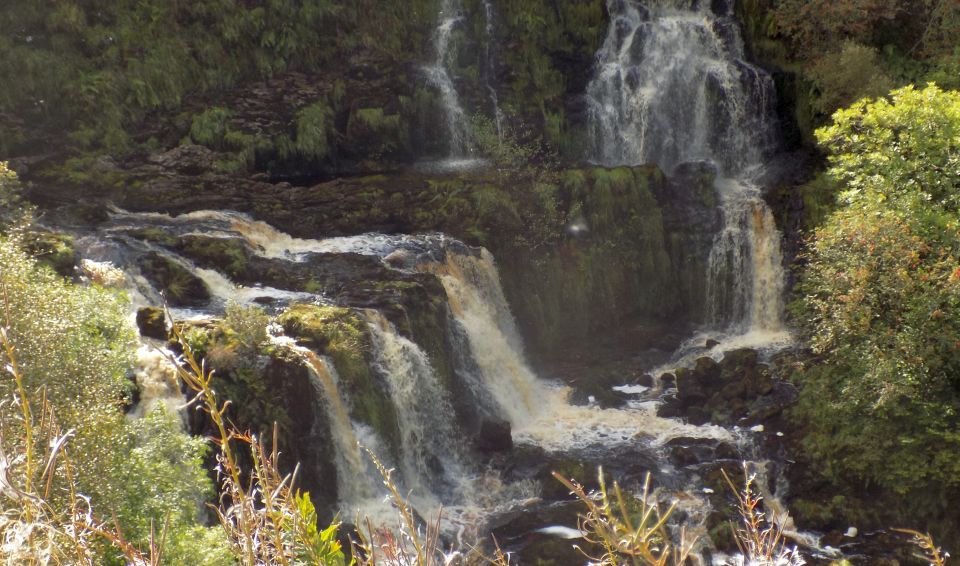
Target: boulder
(180, 287)
(152, 322)
(738, 389)
(494, 435)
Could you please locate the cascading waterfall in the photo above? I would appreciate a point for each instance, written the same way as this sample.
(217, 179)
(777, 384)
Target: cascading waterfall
(355, 480)
(749, 244)
(477, 302)
(459, 132)
(672, 86)
(490, 68)
(431, 446)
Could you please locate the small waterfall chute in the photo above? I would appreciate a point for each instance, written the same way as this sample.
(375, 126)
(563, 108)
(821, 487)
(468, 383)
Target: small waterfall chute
(432, 449)
(458, 130)
(356, 480)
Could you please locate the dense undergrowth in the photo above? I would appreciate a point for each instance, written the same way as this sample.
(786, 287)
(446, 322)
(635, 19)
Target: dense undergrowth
(879, 300)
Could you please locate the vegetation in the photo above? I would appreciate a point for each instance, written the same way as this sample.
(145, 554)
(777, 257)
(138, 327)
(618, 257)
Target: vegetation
(879, 289)
(881, 303)
(67, 350)
(844, 50)
(99, 69)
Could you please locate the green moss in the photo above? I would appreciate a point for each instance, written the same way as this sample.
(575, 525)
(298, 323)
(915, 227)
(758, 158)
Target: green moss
(229, 255)
(313, 131)
(180, 287)
(341, 334)
(53, 250)
(155, 235)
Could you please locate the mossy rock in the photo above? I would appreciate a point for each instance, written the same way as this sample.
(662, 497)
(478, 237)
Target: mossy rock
(342, 334)
(53, 250)
(180, 287)
(229, 255)
(152, 322)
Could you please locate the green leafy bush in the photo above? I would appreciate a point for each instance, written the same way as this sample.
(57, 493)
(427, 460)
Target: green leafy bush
(881, 302)
(843, 76)
(75, 347)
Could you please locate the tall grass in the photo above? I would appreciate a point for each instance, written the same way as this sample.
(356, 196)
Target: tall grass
(635, 539)
(761, 542)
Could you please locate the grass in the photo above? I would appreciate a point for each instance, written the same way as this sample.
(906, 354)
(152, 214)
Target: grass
(610, 524)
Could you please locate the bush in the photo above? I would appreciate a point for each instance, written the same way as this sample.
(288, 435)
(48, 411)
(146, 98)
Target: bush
(75, 348)
(845, 76)
(880, 302)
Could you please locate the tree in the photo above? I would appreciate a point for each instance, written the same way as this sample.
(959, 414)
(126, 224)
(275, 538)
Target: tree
(881, 300)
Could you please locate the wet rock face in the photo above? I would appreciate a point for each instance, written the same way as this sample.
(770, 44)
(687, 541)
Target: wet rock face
(183, 289)
(308, 441)
(494, 435)
(736, 390)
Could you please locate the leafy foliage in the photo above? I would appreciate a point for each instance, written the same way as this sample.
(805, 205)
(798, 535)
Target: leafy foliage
(846, 75)
(75, 347)
(881, 300)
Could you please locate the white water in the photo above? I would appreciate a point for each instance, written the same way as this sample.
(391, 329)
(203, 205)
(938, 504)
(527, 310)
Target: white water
(459, 133)
(672, 86)
(490, 67)
(477, 302)
(432, 447)
(157, 382)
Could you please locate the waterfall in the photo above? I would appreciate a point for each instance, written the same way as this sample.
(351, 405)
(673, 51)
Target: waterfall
(672, 86)
(748, 244)
(431, 444)
(157, 382)
(490, 68)
(459, 132)
(355, 480)
(480, 308)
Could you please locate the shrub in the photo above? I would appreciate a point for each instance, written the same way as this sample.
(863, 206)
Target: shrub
(880, 302)
(75, 348)
(842, 77)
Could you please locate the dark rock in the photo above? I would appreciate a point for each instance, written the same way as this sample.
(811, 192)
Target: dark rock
(600, 393)
(152, 323)
(670, 408)
(645, 380)
(711, 343)
(738, 389)
(781, 396)
(494, 435)
(697, 416)
(186, 159)
(686, 451)
(706, 370)
(180, 287)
